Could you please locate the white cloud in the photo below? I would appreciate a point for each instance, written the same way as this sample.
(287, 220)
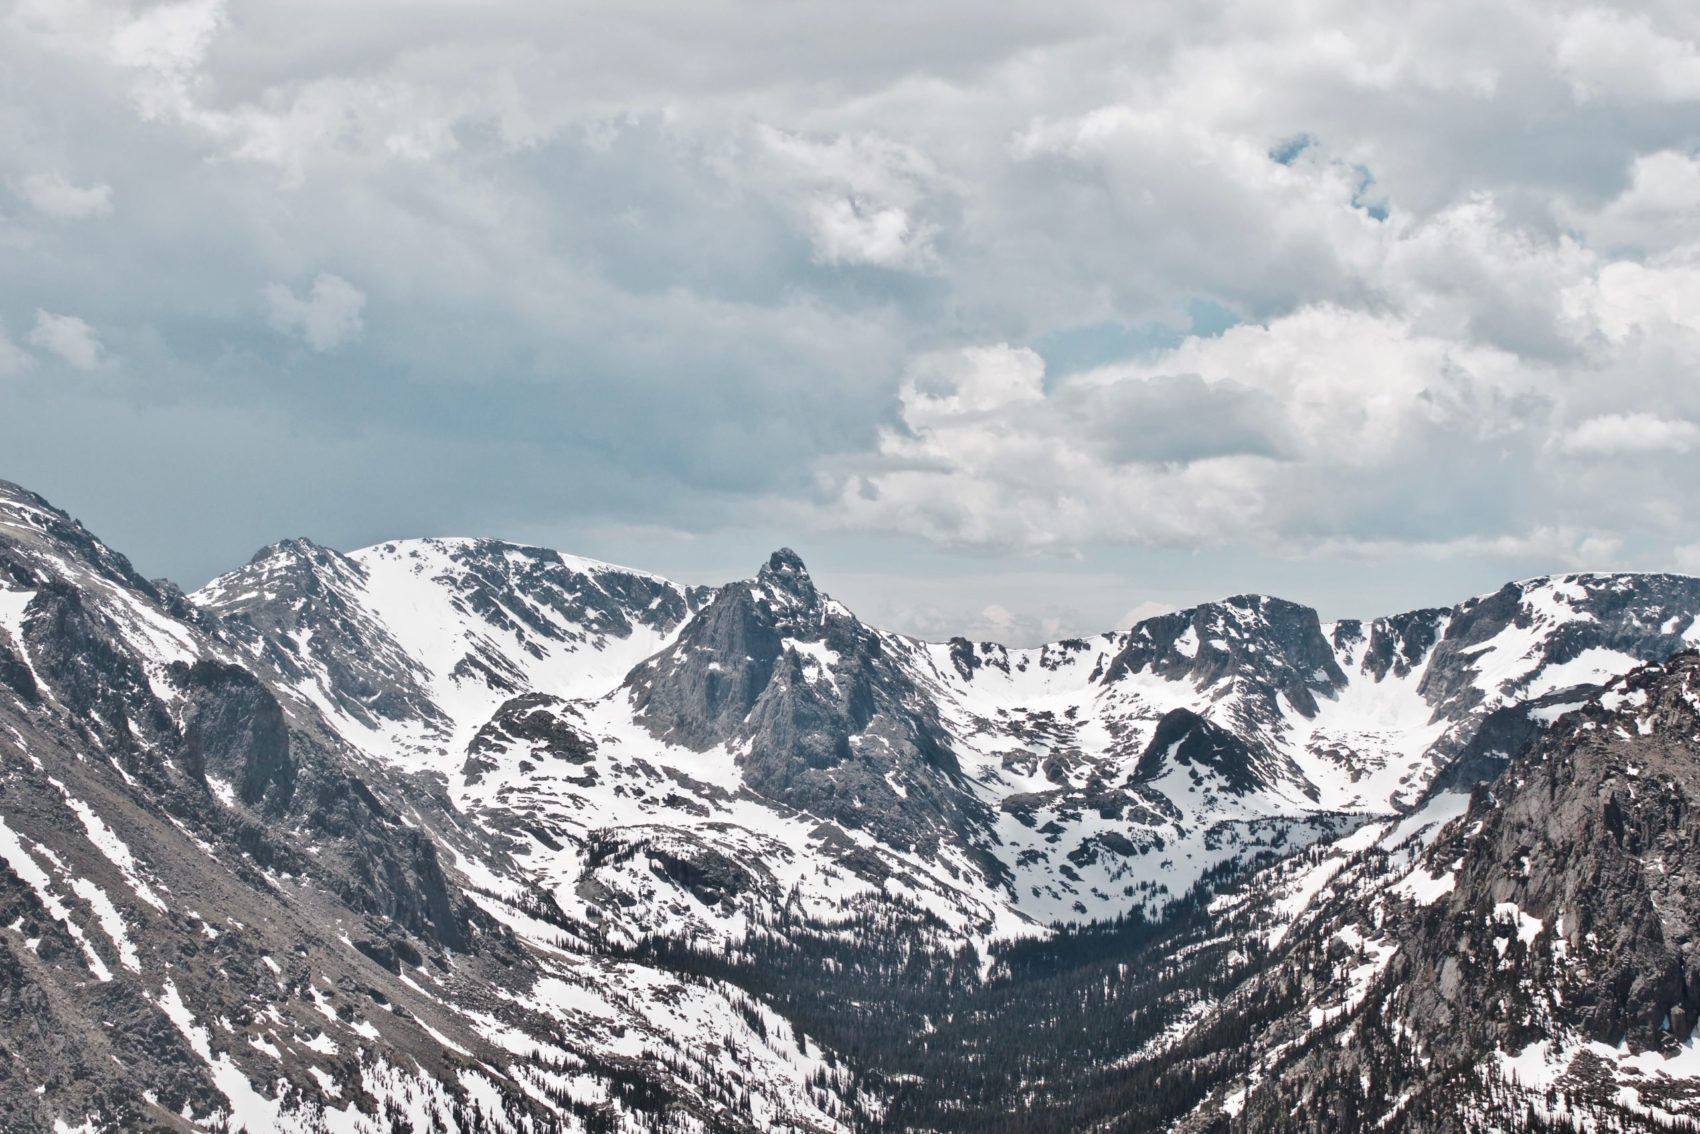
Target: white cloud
(847, 231)
(1321, 413)
(860, 197)
(164, 46)
(1144, 610)
(1627, 434)
(1458, 239)
(328, 318)
(974, 380)
(51, 195)
(1608, 54)
(1569, 547)
(69, 338)
(14, 359)
(1659, 209)
(1626, 301)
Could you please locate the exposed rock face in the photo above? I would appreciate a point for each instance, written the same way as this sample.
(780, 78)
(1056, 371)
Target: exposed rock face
(820, 713)
(1269, 645)
(411, 645)
(1397, 645)
(444, 829)
(1185, 740)
(1540, 953)
(543, 727)
(217, 914)
(296, 611)
(1594, 837)
(1644, 616)
(234, 729)
(1502, 734)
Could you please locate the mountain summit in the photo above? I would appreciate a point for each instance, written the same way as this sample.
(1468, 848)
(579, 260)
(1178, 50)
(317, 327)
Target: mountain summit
(442, 830)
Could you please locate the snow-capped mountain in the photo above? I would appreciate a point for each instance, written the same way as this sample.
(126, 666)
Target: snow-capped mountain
(1529, 966)
(481, 833)
(217, 914)
(1010, 785)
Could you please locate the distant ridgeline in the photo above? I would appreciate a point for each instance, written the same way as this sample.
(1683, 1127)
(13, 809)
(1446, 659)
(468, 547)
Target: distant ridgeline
(467, 836)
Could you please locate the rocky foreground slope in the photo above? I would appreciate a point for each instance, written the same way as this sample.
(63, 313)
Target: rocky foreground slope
(1534, 964)
(463, 835)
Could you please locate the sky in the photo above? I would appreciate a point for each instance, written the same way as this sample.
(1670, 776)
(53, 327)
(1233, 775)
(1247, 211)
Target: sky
(1017, 321)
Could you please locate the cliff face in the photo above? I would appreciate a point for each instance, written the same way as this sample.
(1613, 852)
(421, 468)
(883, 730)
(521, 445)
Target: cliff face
(444, 828)
(1542, 959)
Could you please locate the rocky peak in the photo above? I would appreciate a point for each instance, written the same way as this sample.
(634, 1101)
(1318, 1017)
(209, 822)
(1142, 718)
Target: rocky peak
(298, 549)
(1185, 740)
(52, 539)
(825, 717)
(296, 610)
(1397, 645)
(1269, 644)
(785, 576)
(1521, 632)
(1585, 846)
(283, 576)
(538, 594)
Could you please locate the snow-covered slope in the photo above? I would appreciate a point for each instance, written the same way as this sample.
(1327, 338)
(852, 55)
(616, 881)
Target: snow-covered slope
(1526, 967)
(997, 786)
(410, 646)
(215, 915)
(456, 825)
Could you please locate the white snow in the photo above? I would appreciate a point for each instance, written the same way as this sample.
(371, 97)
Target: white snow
(110, 845)
(12, 604)
(24, 865)
(111, 922)
(1424, 888)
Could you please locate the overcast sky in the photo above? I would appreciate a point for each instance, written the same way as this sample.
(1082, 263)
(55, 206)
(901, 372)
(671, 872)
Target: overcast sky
(1014, 319)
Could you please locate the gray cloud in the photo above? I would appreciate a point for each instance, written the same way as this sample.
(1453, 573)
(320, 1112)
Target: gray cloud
(697, 272)
(67, 338)
(1176, 418)
(326, 318)
(53, 196)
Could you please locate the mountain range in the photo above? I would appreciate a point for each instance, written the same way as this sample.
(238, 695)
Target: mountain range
(463, 835)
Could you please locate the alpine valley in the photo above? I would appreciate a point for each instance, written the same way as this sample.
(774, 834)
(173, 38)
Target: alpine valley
(458, 835)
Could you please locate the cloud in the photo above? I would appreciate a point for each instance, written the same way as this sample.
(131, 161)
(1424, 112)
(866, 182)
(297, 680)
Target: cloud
(1264, 433)
(53, 196)
(1608, 54)
(967, 383)
(69, 338)
(847, 231)
(1627, 434)
(860, 197)
(14, 359)
(1657, 209)
(805, 267)
(1142, 611)
(327, 319)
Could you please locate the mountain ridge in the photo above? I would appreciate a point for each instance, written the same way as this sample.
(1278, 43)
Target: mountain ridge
(531, 836)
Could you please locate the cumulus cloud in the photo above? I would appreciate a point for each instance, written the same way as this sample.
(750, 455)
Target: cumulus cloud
(51, 195)
(1625, 434)
(326, 319)
(816, 266)
(1265, 433)
(68, 338)
(861, 197)
(1657, 210)
(1612, 54)
(848, 231)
